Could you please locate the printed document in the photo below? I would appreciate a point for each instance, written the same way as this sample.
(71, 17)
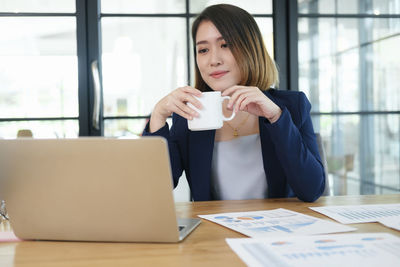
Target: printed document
(391, 222)
(275, 222)
(360, 213)
(344, 250)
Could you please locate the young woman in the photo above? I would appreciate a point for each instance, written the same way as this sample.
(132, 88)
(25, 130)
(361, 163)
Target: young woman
(269, 149)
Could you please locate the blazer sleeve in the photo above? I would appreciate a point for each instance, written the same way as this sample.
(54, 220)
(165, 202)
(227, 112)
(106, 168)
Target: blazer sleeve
(175, 154)
(297, 150)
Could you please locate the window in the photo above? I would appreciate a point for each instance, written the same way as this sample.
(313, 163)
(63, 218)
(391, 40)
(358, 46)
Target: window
(348, 70)
(38, 68)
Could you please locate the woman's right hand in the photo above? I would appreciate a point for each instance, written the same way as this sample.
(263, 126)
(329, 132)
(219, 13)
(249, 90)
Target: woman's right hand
(175, 102)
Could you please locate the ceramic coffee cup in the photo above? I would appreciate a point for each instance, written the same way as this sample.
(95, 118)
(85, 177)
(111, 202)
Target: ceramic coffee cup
(210, 116)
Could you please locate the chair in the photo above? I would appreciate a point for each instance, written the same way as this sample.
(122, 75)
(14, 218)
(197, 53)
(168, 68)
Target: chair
(24, 133)
(322, 154)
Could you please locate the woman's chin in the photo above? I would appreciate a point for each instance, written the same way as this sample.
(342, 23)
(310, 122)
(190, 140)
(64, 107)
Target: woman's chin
(219, 88)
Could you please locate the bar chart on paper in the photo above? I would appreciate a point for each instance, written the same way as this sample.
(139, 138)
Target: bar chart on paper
(375, 249)
(360, 213)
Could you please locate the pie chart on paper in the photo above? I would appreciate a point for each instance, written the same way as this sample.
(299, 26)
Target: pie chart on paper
(250, 218)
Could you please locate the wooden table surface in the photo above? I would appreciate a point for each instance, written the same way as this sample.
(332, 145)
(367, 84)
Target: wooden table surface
(206, 246)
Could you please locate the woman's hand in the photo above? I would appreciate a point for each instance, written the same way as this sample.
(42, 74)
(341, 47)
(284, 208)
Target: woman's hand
(175, 102)
(252, 100)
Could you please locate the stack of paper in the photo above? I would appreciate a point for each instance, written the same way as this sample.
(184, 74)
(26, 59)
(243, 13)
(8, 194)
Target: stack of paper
(287, 238)
(375, 249)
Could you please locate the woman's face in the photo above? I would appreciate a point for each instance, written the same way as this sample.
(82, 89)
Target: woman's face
(217, 66)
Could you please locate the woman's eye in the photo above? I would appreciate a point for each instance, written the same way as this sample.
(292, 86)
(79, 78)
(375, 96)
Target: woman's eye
(201, 51)
(224, 45)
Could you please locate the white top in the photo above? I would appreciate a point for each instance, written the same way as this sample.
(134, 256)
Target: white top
(237, 170)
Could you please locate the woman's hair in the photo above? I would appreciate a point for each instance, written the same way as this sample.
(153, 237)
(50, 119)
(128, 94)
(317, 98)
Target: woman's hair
(240, 31)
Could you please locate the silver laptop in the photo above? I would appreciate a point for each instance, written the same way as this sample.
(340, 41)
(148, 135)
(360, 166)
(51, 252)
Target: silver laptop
(90, 189)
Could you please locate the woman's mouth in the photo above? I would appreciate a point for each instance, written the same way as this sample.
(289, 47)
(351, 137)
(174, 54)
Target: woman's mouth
(218, 74)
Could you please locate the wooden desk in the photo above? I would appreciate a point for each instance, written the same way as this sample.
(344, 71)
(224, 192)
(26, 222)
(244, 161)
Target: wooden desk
(206, 246)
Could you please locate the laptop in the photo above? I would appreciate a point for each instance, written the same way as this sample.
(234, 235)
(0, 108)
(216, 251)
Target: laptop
(91, 189)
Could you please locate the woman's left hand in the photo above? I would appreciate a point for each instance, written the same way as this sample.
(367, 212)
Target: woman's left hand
(252, 100)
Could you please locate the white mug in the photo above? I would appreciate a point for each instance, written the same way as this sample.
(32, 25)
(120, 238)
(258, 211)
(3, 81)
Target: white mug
(210, 116)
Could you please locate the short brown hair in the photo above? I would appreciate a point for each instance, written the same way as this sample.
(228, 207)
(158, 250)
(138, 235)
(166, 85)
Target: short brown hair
(240, 31)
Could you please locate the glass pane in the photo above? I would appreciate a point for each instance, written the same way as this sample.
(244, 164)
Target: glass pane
(124, 128)
(40, 129)
(316, 6)
(130, 128)
(38, 67)
(140, 6)
(59, 6)
(141, 64)
(375, 7)
(348, 64)
(251, 6)
(362, 152)
(266, 28)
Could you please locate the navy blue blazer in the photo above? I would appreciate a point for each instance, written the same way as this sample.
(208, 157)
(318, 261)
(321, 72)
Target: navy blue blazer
(291, 160)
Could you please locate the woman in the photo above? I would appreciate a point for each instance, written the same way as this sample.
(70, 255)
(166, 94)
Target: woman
(269, 149)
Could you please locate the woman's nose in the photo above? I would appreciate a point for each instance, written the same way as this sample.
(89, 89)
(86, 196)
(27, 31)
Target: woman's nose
(215, 58)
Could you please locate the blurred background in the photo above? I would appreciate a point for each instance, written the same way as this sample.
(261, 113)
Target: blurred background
(342, 53)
